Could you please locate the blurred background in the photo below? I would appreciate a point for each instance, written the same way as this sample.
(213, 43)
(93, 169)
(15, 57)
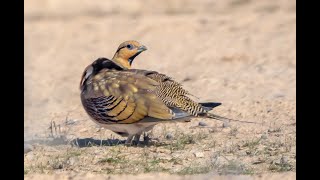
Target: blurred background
(231, 51)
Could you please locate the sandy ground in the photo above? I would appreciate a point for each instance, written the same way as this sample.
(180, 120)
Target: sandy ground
(238, 52)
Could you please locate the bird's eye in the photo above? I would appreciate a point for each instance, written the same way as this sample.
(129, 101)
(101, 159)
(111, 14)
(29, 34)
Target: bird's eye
(130, 46)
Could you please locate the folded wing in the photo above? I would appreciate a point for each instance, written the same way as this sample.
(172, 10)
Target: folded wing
(123, 97)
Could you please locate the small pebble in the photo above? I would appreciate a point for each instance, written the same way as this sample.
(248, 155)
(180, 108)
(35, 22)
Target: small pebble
(258, 161)
(213, 129)
(284, 160)
(225, 124)
(199, 154)
(202, 123)
(71, 121)
(169, 136)
(72, 161)
(264, 136)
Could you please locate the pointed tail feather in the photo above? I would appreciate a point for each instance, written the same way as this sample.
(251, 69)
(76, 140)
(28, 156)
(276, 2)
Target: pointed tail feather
(220, 118)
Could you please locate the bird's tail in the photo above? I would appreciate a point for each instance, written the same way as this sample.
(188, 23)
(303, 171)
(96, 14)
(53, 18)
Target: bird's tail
(224, 119)
(210, 105)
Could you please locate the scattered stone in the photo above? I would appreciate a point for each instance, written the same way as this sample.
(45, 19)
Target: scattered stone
(213, 129)
(71, 121)
(199, 154)
(73, 160)
(258, 161)
(202, 123)
(284, 160)
(264, 136)
(271, 130)
(225, 124)
(169, 136)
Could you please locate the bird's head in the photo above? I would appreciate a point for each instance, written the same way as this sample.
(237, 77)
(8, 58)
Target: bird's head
(126, 53)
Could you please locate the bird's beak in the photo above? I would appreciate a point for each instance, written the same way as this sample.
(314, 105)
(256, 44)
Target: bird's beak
(142, 48)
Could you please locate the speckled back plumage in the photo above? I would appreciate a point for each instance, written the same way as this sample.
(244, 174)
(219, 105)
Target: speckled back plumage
(172, 94)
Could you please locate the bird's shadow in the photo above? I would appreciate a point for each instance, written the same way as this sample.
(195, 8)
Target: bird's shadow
(78, 142)
(86, 142)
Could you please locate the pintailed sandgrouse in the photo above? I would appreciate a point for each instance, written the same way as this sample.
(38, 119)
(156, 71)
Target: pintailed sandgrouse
(132, 101)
